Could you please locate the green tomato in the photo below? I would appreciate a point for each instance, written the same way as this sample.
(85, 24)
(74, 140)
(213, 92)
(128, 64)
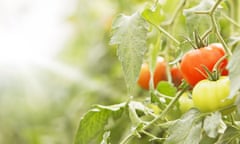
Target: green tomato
(209, 96)
(185, 102)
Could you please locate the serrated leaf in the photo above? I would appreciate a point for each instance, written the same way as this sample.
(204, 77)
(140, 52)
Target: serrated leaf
(214, 125)
(234, 72)
(129, 34)
(92, 124)
(153, 15)
(186, 130)
(166, 88)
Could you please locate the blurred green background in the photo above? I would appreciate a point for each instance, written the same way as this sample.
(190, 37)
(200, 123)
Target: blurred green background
(55, 63)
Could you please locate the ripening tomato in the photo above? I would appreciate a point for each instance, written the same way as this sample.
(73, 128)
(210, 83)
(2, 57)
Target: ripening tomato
(176, 76)
(209, 96)
(159, 73)
(194, 60)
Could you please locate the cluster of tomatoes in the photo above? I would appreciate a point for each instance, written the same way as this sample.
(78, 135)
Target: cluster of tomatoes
(206, 95)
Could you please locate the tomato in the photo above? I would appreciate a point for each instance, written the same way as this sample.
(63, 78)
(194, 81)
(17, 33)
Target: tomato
(185, 102)
(209, 96)
(176, 76)
(193, 61)
(144, 76)
(159, 73)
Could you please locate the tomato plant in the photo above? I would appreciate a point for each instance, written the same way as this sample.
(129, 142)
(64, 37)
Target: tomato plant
(154, 117)
(193, 61)
(210, 95)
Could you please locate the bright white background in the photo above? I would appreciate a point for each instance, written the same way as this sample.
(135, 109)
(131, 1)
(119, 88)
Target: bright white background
(33, 31)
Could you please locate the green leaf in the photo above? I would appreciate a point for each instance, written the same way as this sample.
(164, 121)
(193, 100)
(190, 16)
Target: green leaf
(153, 15)
(186, 130)
(94, 123)
(231, 136)
(234, 72)
(129, 34)
(214, 125)
(166, 88)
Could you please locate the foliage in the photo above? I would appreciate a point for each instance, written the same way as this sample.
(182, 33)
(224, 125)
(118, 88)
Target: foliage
(153, 116)
(129, 33)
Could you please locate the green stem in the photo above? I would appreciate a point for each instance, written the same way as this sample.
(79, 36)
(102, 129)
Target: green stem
(127, 138)
(153, 137)
(232, 119)
(165, 33)
(215, 28)
(227, 108)
(176, 12)
(165, 111)
(235, 10)
(205, 35)
(220, 38)
(214, 25)
(215, 7)
(232, 21)
(217, 64)
(162, 95)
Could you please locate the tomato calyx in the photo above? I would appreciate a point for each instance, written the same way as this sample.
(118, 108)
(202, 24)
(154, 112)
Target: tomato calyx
(198, 41)
(215, 74)
(212, 76)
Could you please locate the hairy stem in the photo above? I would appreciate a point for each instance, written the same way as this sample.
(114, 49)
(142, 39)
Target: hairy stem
(165, 33)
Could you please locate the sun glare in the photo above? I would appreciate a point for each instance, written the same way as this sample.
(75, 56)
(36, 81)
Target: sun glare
(32, 32)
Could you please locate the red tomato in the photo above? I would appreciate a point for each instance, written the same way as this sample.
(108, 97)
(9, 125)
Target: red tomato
(159, 73)
(193, 61)
(176, 76)
(144, 76)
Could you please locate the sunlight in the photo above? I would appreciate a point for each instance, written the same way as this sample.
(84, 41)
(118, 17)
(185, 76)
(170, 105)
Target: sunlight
(32, 32)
